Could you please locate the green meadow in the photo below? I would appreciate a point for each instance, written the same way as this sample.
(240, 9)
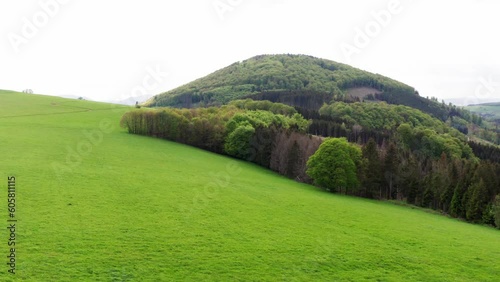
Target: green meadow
(95, 203)
(489, 110)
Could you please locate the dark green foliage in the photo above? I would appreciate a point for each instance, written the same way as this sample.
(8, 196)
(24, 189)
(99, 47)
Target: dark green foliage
(334, 165)
(488, 215)
(456, 208)
(262, 145)
(435, 109)
(485, 151)
(291, 151)
(293, 159)
(390, 165)
(496, 211)
(204, 128)
(477, 202)
(373, 176)
(428, 197)
(409, 180)
(448, 180)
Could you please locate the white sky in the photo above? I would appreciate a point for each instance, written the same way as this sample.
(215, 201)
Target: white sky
(105, 50)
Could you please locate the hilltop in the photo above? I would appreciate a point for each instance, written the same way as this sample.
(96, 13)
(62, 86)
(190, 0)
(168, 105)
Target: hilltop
(297, 74)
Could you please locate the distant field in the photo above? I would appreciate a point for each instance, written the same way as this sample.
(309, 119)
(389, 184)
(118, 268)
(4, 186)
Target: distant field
(489, 110)
(98, 204)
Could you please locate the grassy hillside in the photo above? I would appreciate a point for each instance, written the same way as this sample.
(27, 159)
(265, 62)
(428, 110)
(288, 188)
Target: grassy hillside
(130, 208)
(275, 73)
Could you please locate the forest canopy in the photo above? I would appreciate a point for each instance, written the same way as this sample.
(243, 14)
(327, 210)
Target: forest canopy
(270, 73)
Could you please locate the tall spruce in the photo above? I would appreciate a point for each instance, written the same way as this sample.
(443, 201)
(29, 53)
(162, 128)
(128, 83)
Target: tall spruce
(390, 169)
(373, 176)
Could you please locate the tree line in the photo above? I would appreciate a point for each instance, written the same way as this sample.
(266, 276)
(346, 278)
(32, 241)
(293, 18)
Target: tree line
(411, 156)
(269, 134)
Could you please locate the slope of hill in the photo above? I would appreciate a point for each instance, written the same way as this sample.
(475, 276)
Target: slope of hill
(98, 204)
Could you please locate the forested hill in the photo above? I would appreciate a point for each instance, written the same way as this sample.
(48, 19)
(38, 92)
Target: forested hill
(289, 75)
(302, 81)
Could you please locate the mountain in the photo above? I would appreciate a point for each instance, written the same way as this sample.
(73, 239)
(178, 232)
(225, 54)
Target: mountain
(291, 75)
(307, 83)
(302, 81)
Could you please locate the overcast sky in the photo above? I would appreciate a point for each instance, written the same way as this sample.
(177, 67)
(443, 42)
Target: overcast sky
(113, 49)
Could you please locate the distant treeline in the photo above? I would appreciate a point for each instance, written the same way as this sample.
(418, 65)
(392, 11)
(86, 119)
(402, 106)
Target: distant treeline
(406, 154)
(309, 102)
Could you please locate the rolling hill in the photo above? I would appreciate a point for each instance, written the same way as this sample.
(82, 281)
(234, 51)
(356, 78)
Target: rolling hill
(265, 74)
(98, 204)
(489, 111)
(302, 81)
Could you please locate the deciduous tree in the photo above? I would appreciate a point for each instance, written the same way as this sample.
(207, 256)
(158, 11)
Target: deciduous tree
(333, 166)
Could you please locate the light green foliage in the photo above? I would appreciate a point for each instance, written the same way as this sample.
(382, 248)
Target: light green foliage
(429, 143)
(334, 165)
(382, 116)
(237, 142)
(276, 108)
(144, 209)
(265, 119)
(417, 130)
(241, 127)
(406, 133)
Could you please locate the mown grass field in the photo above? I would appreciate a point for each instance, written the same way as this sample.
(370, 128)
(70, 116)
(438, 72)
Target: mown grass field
(132, 208)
